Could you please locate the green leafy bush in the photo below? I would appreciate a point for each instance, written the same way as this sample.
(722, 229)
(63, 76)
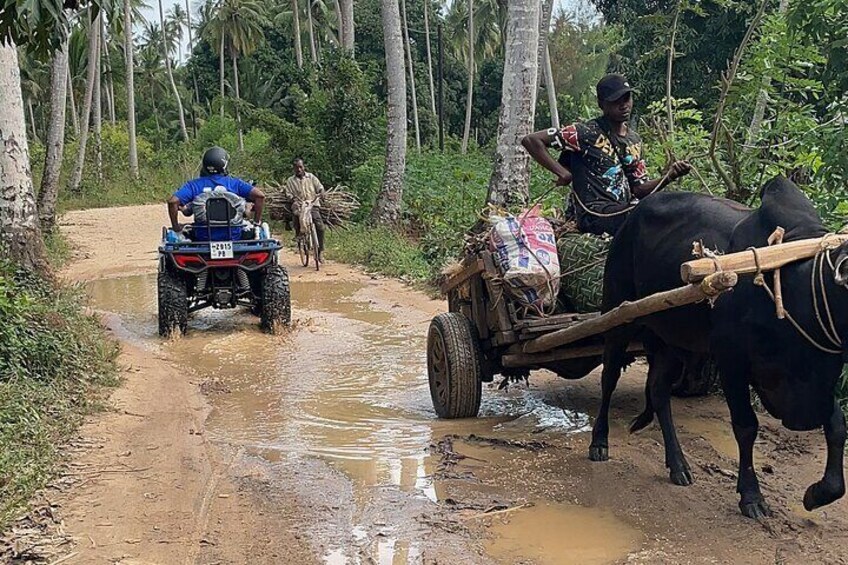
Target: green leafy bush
(52, 357)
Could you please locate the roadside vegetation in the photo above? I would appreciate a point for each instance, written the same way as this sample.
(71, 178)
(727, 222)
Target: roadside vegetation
(55, 360)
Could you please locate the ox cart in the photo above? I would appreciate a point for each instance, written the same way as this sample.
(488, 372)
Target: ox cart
(485, 334)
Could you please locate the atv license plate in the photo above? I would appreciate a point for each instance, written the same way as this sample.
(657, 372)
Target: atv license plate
(222, 249)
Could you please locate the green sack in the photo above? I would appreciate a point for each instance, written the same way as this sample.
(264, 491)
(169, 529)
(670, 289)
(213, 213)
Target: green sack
(582, 258)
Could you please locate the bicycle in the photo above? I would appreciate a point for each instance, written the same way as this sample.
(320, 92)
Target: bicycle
(307, 239)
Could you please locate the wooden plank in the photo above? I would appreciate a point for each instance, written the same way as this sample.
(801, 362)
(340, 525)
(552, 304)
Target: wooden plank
(544, 324)
(711, 286)
(770, 258)
(479, 308)
(523, 360)
(470, 266)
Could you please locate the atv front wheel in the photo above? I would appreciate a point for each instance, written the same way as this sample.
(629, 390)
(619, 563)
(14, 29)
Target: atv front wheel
(276, 299)
(173, 304)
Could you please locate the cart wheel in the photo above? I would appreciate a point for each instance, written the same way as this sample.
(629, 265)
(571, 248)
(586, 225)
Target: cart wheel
(454, 366)
(698, 380)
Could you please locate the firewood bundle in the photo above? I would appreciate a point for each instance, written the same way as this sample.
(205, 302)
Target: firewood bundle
(337, 205)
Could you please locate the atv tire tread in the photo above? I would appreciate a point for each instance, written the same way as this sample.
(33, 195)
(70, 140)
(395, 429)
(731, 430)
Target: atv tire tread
(276, 299)
(173, 304)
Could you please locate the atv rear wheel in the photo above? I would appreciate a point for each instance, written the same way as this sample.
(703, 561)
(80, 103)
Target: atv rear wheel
(276, 299)
(173, 304)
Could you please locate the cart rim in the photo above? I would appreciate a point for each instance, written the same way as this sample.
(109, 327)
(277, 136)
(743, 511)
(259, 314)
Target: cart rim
(439, 368)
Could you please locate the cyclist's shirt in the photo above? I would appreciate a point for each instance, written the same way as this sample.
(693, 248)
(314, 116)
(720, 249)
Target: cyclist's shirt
(304, 188)
(606, 167)
(193, 188)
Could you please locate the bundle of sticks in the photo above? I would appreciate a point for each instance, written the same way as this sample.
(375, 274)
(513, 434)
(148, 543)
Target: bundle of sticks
(337, 205)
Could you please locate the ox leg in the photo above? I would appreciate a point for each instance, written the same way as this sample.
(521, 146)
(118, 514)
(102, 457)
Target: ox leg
(745, 428)
(615, 357)
(832, 486)
(663, 372)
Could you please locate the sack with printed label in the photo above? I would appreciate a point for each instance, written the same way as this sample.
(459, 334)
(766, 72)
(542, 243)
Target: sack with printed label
(525, 250)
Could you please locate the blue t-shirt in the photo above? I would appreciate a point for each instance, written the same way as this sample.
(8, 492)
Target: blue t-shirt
(195, 187)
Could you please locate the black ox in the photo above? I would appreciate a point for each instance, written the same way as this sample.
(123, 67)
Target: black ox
(794, 378)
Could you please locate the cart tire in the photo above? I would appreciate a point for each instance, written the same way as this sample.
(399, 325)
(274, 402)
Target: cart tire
(700, 380)
(454, 366)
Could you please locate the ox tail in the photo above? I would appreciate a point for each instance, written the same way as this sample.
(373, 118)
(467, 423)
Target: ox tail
(644, 419)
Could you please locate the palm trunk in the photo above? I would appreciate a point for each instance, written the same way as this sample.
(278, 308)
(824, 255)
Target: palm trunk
(156, 117)
(221, 72)
(762, 97)
(387, 207)
(55, 139)
(110, 87)
(547, 9)
(411, 76)
(190, 52)
(176, 92)
(298, 40)
(466, 132)
(20, 237)
(348, 39)
(429, 56)
(98, 109)
(31, 118)
(550, 87)
(93, 47)
(340, 30)
(312, 45)
(128, 48)
(511, 173)
(238, 112)
(669, 67)
(72, 101)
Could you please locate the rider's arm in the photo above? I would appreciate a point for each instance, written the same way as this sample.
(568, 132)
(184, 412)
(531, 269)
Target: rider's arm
(537, 145)
(173, 208)
(258, 198)
(677, 170)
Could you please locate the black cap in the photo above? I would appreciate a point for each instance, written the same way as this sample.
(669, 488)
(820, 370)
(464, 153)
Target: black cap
(612, 87)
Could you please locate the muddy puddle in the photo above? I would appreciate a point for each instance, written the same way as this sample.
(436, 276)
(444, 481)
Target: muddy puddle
(343, 399)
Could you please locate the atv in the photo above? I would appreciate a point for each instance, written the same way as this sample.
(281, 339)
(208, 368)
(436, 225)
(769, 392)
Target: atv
(197, 272)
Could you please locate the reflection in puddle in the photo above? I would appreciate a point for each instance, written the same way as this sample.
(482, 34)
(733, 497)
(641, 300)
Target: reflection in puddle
(349, 386)
(560, 534)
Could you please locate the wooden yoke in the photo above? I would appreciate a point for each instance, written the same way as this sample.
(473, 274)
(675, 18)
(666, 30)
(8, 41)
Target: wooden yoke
(770, 258)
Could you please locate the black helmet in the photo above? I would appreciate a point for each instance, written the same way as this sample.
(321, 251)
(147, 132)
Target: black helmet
(215, 162)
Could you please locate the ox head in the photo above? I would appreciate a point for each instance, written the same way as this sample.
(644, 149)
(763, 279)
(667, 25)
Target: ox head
(840, 265)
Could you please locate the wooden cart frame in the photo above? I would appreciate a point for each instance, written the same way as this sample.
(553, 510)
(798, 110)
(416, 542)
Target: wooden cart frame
(483, 333)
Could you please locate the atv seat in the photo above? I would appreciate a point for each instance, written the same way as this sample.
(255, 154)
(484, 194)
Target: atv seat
(223, 222)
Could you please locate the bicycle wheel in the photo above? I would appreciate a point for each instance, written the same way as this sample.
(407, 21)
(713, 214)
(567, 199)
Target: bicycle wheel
(303, 250)
(315, 248)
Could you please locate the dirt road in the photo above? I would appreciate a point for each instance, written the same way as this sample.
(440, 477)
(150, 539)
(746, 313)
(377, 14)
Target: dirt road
(320, 446)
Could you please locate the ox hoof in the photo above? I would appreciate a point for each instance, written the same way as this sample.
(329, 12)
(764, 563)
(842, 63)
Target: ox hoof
(599, 453)
(755, 508)
(682, 478)
(821, 494)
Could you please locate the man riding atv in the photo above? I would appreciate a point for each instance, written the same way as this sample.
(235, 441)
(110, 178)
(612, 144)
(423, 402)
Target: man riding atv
(214, 173)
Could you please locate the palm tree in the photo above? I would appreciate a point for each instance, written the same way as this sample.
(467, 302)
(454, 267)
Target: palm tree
(150, 72)
(129, 49)
(167, 58)
(19, 231)
(511, 173)
(429, 56)
(31, 72)
(347, 25)
(298, 39)
(55, 139)
(387, 207)
(239, 26)
(313, 47)
(93, 49)
(411, 75)
(177, 18)
(470, 95)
